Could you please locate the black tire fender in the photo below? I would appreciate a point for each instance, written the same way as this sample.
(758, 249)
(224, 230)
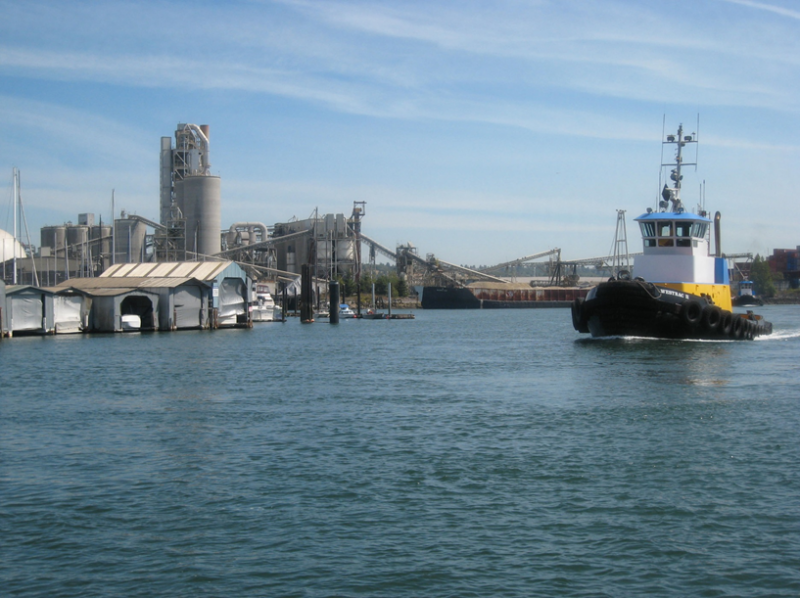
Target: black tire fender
(726, 323)
(691, 313)
(737, 329)
(712, 318)
(579, 316)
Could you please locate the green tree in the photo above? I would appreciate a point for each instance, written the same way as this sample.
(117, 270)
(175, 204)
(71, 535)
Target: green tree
(762, 277)
(382, 284)
(402, 287)
(347, 285)
(366, 283)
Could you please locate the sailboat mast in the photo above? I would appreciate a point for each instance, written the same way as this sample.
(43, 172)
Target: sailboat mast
(113, 232)
(15, 176)
(678, 161)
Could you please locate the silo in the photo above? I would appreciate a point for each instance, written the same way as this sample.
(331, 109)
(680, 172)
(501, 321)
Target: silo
(165, 178)
(100, 237)
(345, 251)
(201, 199)
(77, 237)
(54, 237)
(129, 237)
(341, 225)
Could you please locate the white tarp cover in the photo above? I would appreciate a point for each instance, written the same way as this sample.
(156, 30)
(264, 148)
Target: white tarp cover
(188, 303)
(67, 313)
(232, 298)
(26, 312)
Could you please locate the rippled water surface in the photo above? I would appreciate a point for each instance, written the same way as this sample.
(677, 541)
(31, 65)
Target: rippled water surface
(477, 453)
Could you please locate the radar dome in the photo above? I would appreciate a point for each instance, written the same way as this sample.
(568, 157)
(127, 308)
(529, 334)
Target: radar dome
(9, 245)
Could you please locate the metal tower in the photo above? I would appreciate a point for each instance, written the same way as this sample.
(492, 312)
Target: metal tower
(620, 258)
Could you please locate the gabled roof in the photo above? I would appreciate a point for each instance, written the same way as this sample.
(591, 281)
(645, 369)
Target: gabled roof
(21, 288)
(205, 271)
(126, 282)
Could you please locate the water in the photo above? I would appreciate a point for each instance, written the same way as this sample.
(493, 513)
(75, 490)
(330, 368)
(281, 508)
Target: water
(491, 453)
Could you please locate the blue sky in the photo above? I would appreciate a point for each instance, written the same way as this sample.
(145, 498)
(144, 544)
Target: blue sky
(479, 131)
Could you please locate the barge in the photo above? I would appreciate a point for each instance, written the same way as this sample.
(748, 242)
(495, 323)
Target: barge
(490, 295)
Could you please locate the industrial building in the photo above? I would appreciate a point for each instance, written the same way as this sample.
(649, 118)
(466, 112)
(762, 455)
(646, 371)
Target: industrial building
(190, 200)
(326, 242)
(786, 262)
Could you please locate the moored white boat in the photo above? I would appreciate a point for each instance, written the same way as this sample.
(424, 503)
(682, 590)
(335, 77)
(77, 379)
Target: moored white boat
(265, 309)
(345, 311)
(130, 323)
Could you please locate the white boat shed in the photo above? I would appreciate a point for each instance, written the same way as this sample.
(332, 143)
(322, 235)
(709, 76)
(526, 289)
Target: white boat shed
(30, 310)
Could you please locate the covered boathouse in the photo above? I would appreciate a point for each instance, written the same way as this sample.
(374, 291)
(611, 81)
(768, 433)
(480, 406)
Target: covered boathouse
(165, 296)
(29, 310)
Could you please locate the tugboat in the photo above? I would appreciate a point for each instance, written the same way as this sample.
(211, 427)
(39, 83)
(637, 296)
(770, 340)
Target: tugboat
(746, 295)
(680, 291)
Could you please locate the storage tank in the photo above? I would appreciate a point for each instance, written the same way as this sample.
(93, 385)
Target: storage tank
(129, 236)
(201, 200)
(100, 242)
(54, 237)
(77, 237)
(165, 179)
(345, 250)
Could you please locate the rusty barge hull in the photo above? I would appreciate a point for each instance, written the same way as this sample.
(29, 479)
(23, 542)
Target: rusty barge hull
(512, 296)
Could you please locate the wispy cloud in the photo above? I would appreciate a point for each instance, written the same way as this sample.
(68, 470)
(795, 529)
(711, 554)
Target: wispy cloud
(401, 60)
(62, 132)
(778, 10)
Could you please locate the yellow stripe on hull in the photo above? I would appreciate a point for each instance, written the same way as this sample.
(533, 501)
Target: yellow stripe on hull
(720, 294)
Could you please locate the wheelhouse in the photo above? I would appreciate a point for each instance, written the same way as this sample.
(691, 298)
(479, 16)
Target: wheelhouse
(675, 248)
(688, 233)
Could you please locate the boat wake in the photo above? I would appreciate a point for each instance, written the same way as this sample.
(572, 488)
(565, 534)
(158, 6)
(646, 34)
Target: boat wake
(779, 336)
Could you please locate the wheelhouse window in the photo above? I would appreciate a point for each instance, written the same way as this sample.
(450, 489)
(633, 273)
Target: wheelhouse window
(648, 233)
(665, 233)
(673, 233)
(683, 230)
(699, 229)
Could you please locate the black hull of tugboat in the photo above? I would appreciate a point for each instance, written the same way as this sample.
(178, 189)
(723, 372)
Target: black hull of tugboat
(638, 308)
(746, 300)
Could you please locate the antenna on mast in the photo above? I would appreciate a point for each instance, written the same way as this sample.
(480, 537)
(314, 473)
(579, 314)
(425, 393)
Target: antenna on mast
(15, 175)
(661, 161)
(697, 147)
(27, 234)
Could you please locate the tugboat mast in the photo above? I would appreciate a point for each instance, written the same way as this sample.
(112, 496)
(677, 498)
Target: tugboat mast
(673, 194)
